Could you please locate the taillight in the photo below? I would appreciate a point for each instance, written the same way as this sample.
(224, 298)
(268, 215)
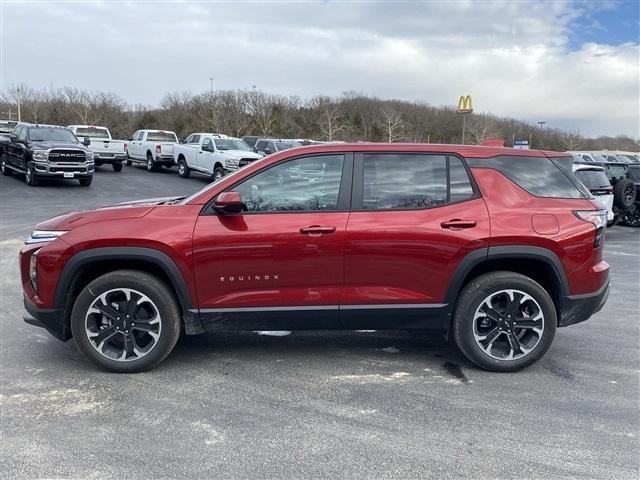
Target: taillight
(126, 147)
(158, 148)
(598, 218)
(610, 190)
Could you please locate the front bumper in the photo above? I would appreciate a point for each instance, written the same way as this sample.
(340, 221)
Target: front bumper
(64, 170)
(51, 319)
(578, 308)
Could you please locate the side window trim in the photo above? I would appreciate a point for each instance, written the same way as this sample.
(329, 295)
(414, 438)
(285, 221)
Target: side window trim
(344, 192)
(358, 181)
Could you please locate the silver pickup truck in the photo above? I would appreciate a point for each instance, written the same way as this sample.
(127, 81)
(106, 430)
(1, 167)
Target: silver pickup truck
(104, 148)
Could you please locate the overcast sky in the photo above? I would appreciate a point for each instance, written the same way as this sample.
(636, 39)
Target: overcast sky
(572, 64)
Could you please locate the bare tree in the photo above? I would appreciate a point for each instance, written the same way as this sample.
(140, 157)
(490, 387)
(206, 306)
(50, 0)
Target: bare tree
(330, 118)
(392, 123)
(572, 140)
(482, 127)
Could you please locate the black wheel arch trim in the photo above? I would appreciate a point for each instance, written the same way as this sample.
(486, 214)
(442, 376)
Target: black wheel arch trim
(505, 252)
(156, 257)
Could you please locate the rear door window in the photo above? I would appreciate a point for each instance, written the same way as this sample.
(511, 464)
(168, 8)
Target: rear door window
(396, 181)
(593, 179)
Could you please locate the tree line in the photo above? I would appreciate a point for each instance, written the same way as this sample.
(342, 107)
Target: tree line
(350, 117)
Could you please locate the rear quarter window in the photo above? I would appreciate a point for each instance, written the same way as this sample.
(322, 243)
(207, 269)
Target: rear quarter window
(540, 176)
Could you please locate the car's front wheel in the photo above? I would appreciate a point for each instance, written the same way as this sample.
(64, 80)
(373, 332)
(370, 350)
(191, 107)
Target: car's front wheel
(30, 176)
(504, 321)
(218, 173)
(126, 321)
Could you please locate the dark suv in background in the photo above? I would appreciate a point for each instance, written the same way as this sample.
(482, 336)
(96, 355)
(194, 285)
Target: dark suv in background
(40, 151)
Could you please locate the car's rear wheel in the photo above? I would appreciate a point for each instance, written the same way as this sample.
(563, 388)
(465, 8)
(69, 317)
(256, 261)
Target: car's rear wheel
(30, 176)
(117, 166)
(126, 321)
(151, 164)
(504, 321)
(6, 171)
(183, 170)
(632, 219)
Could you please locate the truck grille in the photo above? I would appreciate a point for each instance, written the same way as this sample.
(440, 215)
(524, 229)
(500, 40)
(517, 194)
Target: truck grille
(67, 156)
(245, 161)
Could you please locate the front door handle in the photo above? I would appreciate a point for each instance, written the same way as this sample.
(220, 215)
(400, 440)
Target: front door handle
(456, 224)
(316, 230)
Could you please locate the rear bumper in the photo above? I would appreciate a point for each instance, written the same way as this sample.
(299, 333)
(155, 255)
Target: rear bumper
(578, 308)
(164, 160)
(50, 319)
(118, 157)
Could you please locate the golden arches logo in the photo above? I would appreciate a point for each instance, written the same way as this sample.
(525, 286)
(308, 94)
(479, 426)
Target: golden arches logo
(465, 104)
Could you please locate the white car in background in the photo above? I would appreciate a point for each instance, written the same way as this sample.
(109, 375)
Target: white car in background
(104, 148)
(595, 179)
(154, 148)
(212, 154)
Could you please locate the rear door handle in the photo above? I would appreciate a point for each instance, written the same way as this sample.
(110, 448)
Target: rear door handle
(456, 224)
(316, 230)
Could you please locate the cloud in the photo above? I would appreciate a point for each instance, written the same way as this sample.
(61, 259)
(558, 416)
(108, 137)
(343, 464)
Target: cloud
(515, 58)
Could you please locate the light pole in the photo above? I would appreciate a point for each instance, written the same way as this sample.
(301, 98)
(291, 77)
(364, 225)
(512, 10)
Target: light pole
(541, 125)
(213, 112)
(211, 80)
(18, 102)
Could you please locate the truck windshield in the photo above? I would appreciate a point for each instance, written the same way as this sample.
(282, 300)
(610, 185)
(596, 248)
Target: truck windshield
(93, 132)
(7, 127)
(231, 144)
(162, 137)
(41, 134)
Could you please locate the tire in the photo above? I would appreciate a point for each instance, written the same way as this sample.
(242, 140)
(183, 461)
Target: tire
(183, 170)
(624, 194)
(128, 161)
(151, 164)
(117, 166)
(488, 340)
(85, 182)
(218, 173)
(632, 219)
(141, 347)
(6, 171)
(30, 176)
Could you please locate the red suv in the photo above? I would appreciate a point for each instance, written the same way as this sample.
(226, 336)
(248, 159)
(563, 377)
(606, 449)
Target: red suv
(495, 246)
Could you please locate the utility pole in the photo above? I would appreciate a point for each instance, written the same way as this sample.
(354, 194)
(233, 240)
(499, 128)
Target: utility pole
(541, 125)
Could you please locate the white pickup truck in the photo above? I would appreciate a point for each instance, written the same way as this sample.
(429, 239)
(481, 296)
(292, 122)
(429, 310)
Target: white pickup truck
(154, 148)
(104, 148)
(212, 154)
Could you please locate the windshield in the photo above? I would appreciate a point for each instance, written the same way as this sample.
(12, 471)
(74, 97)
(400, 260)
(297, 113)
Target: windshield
(231, 144)
(162, 137)
(93, 132)
(43, 134)
(593, 179)
(286, 145)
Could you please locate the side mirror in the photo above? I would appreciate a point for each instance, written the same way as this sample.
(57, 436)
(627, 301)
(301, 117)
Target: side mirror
(267, 151)
(228, 202)
(86, 141)
(130, 139)
(13, 138)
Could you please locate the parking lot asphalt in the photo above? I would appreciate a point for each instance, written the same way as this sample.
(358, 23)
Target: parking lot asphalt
(311, 404)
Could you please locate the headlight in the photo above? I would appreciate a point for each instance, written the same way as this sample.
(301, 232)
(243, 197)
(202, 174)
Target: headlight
(40, 155)
(44, 236)
(231, 163)
(33, 270)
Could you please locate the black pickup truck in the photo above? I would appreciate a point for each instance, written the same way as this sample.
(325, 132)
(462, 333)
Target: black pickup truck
(39, 151)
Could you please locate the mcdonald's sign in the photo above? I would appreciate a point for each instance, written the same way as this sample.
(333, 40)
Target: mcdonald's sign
(464, 104)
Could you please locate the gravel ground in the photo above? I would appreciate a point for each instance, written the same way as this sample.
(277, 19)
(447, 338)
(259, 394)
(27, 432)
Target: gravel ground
(311, 404)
